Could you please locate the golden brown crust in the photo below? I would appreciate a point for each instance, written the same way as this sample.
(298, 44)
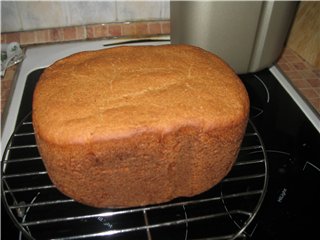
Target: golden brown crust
(130, 126)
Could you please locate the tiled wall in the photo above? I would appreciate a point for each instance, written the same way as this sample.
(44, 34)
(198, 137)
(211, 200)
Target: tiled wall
(303, 76)
(26, 15)
(88, 32)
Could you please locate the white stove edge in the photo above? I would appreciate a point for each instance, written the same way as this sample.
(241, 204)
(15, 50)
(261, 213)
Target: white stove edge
(307, 110)
(43, 56)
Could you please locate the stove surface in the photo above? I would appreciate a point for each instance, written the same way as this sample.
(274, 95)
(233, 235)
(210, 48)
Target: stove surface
(290, 209)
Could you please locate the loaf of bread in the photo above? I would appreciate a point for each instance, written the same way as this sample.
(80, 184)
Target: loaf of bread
(138, 125)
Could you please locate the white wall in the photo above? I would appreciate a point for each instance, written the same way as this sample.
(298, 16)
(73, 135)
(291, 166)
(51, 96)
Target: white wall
(30, 15)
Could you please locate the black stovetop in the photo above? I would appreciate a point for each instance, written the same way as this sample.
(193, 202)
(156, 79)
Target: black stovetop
(290, 209)
(291, 205)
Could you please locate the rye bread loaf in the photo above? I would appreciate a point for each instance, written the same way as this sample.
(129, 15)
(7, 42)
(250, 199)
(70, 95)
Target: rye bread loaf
(138, 125)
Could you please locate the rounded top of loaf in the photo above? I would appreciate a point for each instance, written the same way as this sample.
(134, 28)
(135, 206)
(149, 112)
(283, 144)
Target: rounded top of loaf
(122, 91)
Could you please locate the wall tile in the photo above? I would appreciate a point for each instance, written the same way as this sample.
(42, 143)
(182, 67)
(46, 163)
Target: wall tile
(129, 29)
(90, 31)
(81, 32)
(35, 15)
(56, 34)
(27, 38)
(142, 28)
(42, 36)
(10, 19)
(3, 38)
(115, 30)
(13, 37)
(309, 92)
(39, 15)
(154, 27)
(165, 9)
(165, 27)
(141, 10)
(101, 30)
(82, 13)
(314, 82)
(69, 33)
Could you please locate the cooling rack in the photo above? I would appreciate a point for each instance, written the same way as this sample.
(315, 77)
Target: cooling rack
(40, 211)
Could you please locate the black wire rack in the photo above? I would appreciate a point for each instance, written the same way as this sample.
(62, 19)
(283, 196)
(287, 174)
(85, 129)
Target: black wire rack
(40, 211)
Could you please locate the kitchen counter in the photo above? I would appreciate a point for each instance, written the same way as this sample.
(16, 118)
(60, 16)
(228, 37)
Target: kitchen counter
(304, 77)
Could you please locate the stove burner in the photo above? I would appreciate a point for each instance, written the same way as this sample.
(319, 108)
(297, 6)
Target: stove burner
(40, 211)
